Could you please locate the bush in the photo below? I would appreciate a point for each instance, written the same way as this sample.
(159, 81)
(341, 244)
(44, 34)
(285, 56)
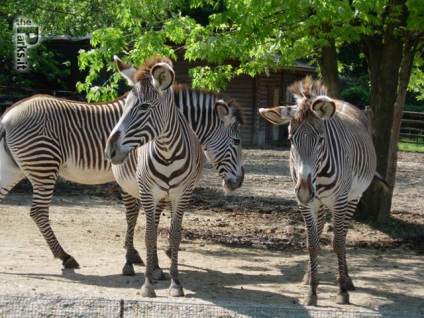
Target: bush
(356, 95)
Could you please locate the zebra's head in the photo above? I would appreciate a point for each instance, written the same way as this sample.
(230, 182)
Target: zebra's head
(223, 145)
(146, 108)
(307, 134)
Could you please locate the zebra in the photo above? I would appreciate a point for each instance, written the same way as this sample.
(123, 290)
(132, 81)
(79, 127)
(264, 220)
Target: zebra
(43, 137)
(332, 162)
(215, 122)
(169, 159)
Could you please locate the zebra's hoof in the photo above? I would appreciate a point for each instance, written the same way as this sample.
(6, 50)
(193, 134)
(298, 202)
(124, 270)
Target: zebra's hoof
(176, 290)
(128, 270)
(158, 274)
(70, 262)
(342, 298)
(147, 290)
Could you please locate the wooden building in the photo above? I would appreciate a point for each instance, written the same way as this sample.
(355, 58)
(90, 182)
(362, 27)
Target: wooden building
(257, 92)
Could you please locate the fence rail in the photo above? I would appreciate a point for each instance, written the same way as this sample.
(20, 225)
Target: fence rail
(34, 306)
(412, 127)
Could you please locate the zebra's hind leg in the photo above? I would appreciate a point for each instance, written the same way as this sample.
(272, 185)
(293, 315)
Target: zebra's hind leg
(132, 207)
(42, 195)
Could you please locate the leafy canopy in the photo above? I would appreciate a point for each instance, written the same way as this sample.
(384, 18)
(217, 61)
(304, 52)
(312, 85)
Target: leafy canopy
(232, 36)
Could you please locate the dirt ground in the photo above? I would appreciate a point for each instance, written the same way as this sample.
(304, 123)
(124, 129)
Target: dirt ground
(245, 247)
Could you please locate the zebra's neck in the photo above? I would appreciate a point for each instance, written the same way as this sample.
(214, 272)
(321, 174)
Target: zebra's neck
(198, 108)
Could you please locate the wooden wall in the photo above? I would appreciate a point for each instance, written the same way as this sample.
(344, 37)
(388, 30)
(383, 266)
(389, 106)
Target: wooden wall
(252, 94)
(242, 88)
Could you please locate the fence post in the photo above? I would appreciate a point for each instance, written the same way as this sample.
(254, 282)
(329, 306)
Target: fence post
(121, 309)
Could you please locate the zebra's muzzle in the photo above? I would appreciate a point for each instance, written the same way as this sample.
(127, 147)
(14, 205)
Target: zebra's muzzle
(113, 150)
(304, 189)
(233, 183)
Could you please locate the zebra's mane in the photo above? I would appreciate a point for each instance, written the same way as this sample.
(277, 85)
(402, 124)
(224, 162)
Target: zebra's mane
(235, 107)
(304, 92)
(143, 72)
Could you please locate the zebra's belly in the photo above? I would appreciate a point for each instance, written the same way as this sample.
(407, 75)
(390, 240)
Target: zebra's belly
(329, 197)
(86, 175)
(358, 187)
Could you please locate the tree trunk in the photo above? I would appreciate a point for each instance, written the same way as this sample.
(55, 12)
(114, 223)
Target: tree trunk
(404, 76)
(327, 62)
(329, 71)
(386, 62)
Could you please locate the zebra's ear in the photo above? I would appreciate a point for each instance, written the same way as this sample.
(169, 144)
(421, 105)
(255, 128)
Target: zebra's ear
(163, 76)
(127, 71)
(323, 107)
(223, 110)
(278, 115)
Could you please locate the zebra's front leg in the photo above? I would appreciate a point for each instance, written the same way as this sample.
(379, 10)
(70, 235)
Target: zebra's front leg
(148, 290)
(153, 271)
(339, 247)
(132, 207)
(40, 214)
(158, 273)
(175, 234)
(320, 226)
(313, 247)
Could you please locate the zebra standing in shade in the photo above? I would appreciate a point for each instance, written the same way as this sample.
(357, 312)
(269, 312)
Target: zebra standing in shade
(169, 158)
(332, 162)
(43, 137)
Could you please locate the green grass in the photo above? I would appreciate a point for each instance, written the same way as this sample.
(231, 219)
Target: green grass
(404, 146)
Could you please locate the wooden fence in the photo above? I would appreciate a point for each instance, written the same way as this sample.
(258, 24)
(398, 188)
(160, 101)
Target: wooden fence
(412, 127)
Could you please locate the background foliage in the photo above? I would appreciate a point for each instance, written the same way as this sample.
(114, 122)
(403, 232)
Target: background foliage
(259, 35)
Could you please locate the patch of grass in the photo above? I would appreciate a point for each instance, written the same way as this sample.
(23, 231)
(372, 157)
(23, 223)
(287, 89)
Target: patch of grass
(405, 146)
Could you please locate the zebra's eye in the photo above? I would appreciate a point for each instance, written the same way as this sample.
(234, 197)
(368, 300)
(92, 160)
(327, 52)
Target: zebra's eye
(144, 106)
(237, 142)
(320, 140)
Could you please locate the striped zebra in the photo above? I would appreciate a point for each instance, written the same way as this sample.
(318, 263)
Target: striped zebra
(169, 159)
(43, 137)
(332, 162)
(215, 122)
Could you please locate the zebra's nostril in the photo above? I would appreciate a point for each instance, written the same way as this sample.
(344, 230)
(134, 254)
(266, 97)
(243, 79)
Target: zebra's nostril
(113, 154)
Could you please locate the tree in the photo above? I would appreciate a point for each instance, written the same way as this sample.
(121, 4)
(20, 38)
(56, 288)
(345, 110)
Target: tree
(389, 49)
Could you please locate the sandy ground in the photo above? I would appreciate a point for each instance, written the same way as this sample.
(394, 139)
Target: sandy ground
(243, 248)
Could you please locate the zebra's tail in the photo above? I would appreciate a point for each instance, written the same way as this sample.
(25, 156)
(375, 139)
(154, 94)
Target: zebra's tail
(378, 178)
